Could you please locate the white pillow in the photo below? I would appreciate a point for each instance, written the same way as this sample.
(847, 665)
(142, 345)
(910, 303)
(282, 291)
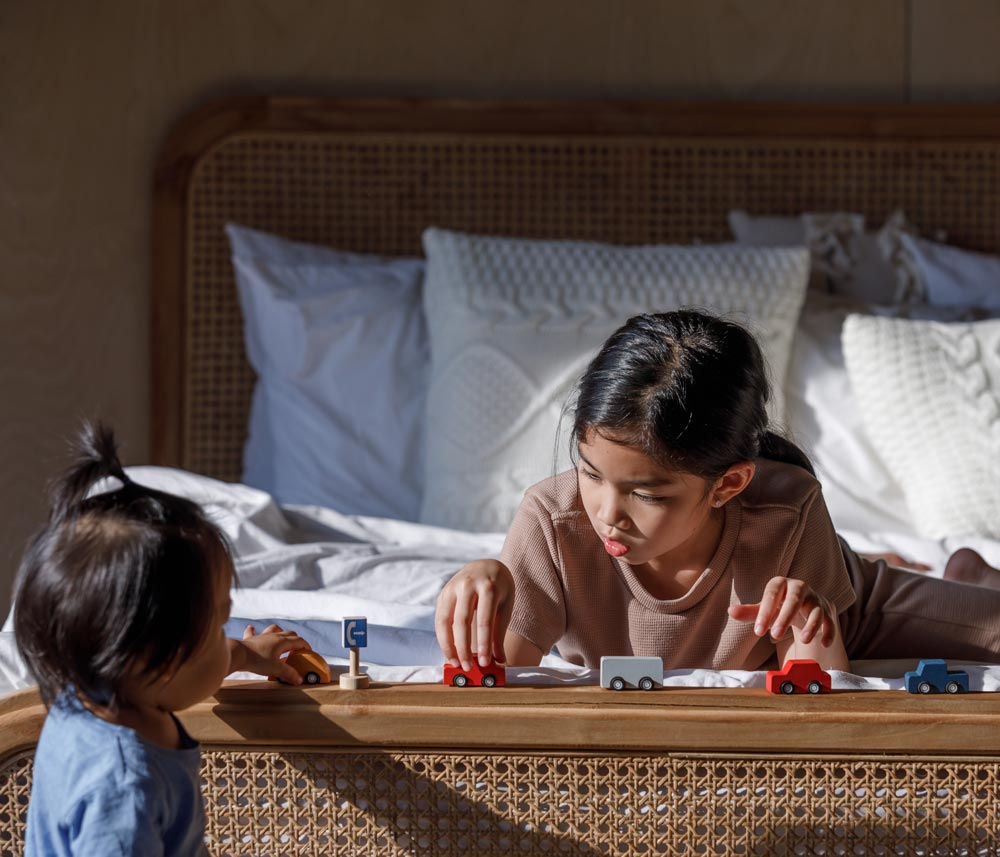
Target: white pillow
(339, 344)
(845, 259)
(513, 324)
(950, 276)
(928, 397)
(823, 418)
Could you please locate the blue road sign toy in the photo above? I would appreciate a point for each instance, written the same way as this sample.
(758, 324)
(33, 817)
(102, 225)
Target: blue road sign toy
(932, 676)
(355, 630)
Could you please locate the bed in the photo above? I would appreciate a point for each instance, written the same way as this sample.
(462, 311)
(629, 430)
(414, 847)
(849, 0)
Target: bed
(551, 764)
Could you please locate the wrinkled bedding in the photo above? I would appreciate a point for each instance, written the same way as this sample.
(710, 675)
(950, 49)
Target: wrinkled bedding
(306, 567)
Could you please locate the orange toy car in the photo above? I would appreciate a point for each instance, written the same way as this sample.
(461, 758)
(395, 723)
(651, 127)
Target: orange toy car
(494, 675)
(799, 675)
(311, 666)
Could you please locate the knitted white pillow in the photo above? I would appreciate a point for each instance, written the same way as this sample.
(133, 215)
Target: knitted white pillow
(513, 324)
(927, 392)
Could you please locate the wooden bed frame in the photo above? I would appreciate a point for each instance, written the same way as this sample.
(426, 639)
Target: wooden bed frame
(418, 769)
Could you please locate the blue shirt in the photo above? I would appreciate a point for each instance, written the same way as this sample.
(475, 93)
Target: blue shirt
(101, 789)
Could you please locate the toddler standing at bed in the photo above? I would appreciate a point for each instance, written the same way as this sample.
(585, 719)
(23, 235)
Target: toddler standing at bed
(119, 615)
(690, 531)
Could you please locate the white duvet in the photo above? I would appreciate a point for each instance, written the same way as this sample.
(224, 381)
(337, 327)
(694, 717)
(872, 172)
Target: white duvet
(307, 567)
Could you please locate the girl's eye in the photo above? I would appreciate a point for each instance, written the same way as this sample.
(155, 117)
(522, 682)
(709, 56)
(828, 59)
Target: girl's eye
(646, 498)
(589, 475)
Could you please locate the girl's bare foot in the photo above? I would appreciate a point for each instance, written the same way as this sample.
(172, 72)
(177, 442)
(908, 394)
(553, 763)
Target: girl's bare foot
(967, 566)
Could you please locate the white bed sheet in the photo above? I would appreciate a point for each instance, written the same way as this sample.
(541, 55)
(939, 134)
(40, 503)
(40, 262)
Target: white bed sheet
(306, 567)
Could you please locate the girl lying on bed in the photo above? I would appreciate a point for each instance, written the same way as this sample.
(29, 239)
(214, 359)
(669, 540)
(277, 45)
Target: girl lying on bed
(690, 531)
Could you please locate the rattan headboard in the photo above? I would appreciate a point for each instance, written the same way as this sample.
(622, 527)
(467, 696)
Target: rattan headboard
(369, 176)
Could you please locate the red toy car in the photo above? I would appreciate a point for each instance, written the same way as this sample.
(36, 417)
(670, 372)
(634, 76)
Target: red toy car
(494, 675)
(799, 676)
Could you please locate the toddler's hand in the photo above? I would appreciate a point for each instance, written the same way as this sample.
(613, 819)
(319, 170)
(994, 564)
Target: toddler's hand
(262, 652)
(484, 588)
(789, 602)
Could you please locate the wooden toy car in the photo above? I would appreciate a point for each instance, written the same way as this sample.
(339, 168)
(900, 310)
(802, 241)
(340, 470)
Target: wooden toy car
(932, 676)
(311, 666)
(799, 675)
(620, 672)
(493, 675)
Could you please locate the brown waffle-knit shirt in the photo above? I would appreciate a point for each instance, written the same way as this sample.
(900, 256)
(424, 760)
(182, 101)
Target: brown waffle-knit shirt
(572, 594)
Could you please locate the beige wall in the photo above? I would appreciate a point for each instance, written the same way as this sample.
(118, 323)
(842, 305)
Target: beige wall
(90, 89)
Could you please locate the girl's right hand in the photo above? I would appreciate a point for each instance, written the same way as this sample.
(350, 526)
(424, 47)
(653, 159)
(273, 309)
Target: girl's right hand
(483, 590)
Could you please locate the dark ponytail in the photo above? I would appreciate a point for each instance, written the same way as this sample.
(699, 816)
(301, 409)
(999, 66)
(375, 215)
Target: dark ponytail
(95, 457)
(777, 448)
(117, 580)
(687, 388)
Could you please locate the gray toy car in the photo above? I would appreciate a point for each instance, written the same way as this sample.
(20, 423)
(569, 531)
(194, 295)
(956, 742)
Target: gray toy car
(619, 673)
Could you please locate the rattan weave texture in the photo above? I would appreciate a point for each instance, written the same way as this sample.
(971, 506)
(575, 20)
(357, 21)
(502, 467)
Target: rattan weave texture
(323, 802)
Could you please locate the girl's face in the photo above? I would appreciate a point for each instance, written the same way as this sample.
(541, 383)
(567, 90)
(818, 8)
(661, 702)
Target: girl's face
(200, 675)
(642, 512)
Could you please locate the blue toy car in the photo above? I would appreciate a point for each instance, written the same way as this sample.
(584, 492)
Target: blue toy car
(933, 677)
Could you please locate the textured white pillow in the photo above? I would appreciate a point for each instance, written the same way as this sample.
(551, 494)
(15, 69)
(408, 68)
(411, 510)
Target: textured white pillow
(823, 418)
(928, 397)
(339, 345)
(822, 415)
(513, 324)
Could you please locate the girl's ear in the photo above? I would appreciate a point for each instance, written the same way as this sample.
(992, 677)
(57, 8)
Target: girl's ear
(731, 483)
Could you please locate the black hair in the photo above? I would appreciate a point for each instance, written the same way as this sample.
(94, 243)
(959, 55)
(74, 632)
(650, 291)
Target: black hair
(687, 388)
(115, 580)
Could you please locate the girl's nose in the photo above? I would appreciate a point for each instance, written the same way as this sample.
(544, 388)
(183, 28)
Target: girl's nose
(612, 513)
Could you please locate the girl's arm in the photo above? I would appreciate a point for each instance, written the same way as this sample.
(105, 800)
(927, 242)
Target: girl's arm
(832, 657)
(521, 652)
(791, 603)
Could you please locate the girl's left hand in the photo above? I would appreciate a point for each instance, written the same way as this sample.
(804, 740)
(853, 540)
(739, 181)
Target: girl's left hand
(788, 602)
(263, 652)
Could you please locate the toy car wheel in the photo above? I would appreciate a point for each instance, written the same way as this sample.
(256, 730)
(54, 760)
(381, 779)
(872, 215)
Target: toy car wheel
(460, 680)
(489, 681)
(953, 687)
(645, 683)
(311, 677)
(787, 687)
(617, 683)
(814, 687)
(924, 687)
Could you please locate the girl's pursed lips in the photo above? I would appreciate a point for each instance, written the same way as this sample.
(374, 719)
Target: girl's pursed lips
(614, 547)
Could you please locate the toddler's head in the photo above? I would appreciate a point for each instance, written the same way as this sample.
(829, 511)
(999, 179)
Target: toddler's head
(122, 595)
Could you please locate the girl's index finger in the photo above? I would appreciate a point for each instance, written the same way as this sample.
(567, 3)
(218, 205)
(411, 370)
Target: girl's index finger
(443, 625)
(460, 619)
(485, 621)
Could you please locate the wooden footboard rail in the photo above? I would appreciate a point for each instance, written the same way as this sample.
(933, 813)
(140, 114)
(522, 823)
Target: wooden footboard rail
(407, 769)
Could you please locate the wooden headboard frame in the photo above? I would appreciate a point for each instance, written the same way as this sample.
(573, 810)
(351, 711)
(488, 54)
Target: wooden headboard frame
(370, 175)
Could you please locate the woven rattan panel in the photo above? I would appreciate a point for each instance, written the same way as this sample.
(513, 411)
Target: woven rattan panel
(376, 193)
(15, 789)
(318, 803)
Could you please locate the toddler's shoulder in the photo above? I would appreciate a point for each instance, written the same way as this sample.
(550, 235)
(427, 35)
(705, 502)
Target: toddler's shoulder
(89, 750)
